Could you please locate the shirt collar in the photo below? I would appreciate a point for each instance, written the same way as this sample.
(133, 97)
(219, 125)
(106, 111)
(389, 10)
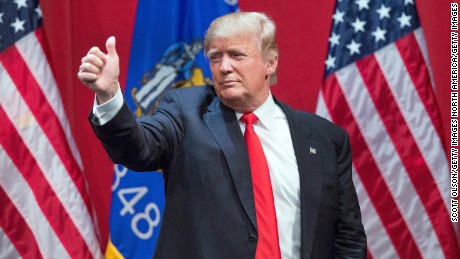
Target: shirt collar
(265, 113)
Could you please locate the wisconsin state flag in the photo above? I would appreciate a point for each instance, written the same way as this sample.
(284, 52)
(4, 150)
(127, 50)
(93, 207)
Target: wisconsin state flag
(166, 52)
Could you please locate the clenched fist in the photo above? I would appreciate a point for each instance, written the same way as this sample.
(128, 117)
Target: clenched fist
(100, 71)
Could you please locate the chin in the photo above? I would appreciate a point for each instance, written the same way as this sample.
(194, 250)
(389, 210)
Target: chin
(231, 99)
(230, 94)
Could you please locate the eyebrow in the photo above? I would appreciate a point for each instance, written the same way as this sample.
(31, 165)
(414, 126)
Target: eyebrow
(212, 52)
(229, 50)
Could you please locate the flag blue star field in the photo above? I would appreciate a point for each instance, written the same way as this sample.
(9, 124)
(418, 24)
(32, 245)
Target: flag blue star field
(378, 87)
(166, 52)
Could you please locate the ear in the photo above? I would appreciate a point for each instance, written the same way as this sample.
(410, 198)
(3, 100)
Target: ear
(272, 64)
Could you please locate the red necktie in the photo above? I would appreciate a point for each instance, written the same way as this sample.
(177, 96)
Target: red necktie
(267, 228)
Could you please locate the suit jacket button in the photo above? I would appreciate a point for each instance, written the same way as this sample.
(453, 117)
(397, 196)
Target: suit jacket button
(252, 239)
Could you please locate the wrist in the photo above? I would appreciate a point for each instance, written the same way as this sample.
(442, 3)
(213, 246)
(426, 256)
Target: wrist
(108, 94)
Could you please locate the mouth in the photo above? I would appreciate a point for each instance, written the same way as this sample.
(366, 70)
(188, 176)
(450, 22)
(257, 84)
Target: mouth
(228, 83)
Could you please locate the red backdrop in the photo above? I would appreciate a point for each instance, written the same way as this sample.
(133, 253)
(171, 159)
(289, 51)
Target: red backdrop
(72, 27)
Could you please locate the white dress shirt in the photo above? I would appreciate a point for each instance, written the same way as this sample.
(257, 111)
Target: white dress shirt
(273, 131)
(106, 111)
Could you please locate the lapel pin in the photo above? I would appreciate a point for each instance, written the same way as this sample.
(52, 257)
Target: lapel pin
(312, 151)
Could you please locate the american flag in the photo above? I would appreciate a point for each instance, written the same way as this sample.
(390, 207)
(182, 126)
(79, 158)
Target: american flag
(378, 87)
(45, 208)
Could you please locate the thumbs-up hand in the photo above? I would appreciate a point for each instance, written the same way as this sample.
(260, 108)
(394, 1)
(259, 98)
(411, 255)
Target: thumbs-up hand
(100, 71)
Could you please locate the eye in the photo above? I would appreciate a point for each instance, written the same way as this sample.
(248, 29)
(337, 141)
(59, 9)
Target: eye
(215, 58)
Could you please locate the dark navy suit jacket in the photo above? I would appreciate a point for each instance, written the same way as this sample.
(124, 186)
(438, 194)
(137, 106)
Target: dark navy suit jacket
(209, 211)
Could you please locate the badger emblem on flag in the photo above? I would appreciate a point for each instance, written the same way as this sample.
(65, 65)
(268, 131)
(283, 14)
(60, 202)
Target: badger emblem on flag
(175, 69)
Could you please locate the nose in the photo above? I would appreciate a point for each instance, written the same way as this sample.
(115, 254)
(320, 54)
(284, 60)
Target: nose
(226, 65)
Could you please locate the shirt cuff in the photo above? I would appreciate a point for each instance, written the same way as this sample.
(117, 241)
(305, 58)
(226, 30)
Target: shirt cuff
(106, 111)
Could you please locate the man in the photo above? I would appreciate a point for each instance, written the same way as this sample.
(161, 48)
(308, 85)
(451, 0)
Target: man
(217, 199)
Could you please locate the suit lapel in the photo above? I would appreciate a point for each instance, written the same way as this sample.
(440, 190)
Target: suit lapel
(221, 122)
(308, 155)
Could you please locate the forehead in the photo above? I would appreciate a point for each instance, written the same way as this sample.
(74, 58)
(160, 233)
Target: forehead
(243, 42)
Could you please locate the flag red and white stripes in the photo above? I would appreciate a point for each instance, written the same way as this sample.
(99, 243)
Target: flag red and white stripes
(46, 209)
(386, 102)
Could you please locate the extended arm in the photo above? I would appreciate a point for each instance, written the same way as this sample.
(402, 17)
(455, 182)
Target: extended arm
(142, 145)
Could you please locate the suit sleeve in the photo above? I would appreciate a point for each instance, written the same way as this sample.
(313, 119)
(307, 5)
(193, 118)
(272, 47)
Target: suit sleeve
(350, 239)
(147, 143)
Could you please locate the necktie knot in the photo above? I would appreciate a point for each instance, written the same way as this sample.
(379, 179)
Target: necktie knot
(249, 118)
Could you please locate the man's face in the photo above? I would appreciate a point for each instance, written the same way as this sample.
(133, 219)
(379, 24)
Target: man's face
(240, 75)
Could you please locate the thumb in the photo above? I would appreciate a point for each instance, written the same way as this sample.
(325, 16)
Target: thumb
(110, 46)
